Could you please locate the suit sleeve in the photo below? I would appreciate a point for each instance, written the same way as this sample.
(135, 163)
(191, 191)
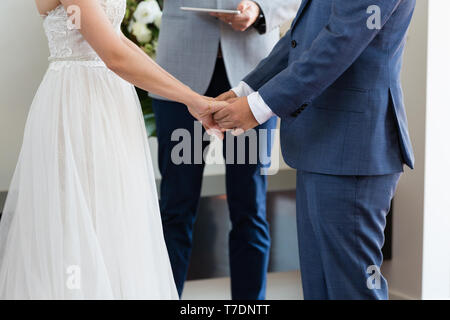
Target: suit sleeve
(275, 62)
(333, 51)
(278, 12)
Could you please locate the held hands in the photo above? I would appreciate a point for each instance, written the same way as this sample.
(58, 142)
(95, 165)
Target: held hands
(236, 115)
(240, 22)
(226, 112)
(203, 108)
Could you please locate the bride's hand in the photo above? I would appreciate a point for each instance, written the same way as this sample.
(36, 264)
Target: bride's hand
(203, 109)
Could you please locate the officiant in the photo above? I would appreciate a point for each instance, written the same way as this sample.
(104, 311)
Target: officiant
(211, 54)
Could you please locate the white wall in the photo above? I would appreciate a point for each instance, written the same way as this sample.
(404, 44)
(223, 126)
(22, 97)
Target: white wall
(404, 270)
(23, 60)
(420, 268)
(436, 242)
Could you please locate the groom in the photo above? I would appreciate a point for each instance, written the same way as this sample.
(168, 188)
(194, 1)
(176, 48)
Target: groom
(334, 80)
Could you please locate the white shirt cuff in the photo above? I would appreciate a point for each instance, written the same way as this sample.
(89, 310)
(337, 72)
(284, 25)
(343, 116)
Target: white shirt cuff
(242, 90)
(260, 109)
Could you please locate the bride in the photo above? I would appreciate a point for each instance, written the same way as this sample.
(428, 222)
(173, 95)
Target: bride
(82, 219)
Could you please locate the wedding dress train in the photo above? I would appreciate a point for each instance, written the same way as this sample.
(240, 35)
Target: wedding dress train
(82, 219)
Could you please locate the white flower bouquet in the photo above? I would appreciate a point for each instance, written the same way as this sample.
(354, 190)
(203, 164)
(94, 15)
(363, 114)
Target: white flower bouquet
(142, 22)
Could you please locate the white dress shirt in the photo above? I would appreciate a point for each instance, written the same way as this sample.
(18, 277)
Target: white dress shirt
(260, 109)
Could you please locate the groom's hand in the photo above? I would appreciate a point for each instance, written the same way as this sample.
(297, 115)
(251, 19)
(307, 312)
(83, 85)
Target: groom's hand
(240, 22)
(237, 115)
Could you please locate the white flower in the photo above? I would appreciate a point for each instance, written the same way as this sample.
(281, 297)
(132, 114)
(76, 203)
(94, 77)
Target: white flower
(158, 21)
(141, 32)
(147, 12)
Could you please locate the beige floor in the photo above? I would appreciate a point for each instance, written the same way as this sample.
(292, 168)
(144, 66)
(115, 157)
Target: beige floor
(280, 286)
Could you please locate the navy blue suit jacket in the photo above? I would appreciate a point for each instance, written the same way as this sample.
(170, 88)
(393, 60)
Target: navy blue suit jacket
(334, 80)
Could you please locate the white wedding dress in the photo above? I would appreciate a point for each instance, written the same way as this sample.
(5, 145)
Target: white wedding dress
(82, 219)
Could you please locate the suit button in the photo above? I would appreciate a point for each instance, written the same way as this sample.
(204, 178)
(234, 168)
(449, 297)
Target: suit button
(299, 110)
(296, 112)
(294, 44)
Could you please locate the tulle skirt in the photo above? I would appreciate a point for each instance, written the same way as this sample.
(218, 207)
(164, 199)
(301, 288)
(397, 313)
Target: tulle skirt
(82, 219)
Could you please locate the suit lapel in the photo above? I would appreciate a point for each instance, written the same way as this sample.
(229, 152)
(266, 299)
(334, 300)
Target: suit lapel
(300, 11)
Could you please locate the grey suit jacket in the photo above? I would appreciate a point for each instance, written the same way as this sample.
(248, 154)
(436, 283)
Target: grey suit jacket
(189, 41)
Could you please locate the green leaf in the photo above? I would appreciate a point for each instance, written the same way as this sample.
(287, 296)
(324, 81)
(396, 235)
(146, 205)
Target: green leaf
(147, 111)
(150, 124)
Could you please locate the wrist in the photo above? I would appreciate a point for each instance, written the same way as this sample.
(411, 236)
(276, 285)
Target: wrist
(231, 94)
(191, 98)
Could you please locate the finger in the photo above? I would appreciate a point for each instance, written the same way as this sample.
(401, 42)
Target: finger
(212, 128)
(237, 131)
(217, 106)
(209, 107)
(229, 94)
(232, 100)
(239, 27)
(223, 19)
(222, 115)
(240, 18)
(240, 21)
(228, 125)
(208, 123)
(226, 20)
(225, 16)
(226, 95)
(243, 6)
(216, 132)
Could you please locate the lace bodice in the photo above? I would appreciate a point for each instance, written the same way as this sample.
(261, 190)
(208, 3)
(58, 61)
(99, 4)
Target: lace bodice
(64, 39)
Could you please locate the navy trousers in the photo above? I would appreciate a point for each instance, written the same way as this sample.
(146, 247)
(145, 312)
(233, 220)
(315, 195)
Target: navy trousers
(341, 221)
(249, 240)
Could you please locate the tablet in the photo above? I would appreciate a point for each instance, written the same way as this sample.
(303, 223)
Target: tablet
(210, 10)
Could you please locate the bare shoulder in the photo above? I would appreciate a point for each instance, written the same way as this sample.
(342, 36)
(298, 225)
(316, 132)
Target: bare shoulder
(45, 6)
